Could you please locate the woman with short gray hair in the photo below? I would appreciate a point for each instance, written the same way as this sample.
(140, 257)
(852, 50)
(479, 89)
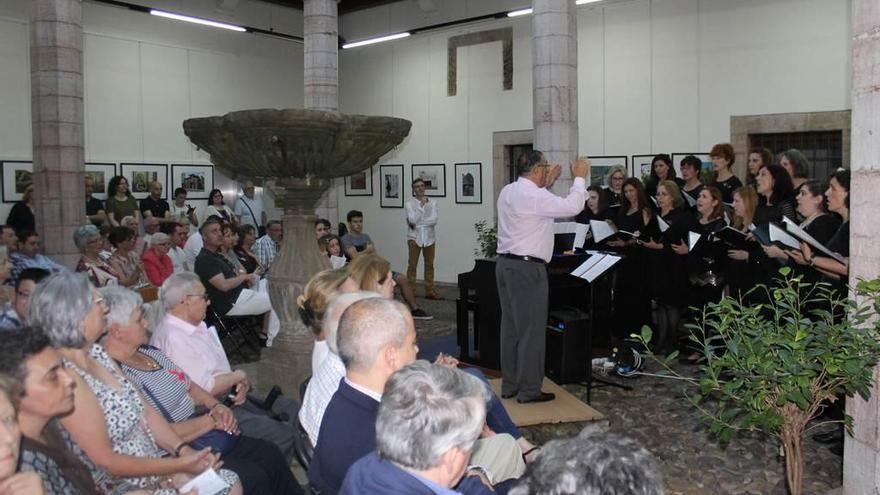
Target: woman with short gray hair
(157, 264)
(121, 441)
(88, 240)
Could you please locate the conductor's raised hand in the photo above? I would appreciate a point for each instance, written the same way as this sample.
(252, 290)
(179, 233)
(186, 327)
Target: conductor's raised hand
(553, 174)
(581, 168)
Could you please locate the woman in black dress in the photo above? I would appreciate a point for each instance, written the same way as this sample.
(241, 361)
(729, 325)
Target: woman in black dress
(774, 190)
(691, 167)
(758, 159)
(632, 305)
(614, 185)
(706, 259)
(741, 269)
(669, 287)
(661, 169)
(596, 206)
(723, 158)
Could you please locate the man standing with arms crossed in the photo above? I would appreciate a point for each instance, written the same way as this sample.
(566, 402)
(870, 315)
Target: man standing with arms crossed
(421, 217)
(526, 210)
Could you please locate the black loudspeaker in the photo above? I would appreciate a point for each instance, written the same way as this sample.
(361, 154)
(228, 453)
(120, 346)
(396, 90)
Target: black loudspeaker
(568, 350)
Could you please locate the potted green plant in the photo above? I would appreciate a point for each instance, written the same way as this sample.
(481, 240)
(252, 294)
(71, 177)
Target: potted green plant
(774, 367)
(487, 238)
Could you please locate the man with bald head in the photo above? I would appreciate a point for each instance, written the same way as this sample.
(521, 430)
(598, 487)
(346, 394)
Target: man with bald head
(249, 207)
(376, 337)
(153, 206)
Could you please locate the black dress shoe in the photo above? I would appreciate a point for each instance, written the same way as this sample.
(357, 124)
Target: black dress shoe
(543, 397)
(829, 437)
(508, 396)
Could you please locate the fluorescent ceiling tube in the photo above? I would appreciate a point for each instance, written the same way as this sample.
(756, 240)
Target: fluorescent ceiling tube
(582, 2)
(196, 20)
(375, 40)
(514, 13)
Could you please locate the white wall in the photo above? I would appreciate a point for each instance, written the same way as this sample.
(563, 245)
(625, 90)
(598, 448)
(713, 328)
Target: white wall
(145, 75)
(654, 76)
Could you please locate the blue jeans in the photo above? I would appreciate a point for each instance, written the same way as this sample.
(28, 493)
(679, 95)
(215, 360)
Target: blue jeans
(496, 416)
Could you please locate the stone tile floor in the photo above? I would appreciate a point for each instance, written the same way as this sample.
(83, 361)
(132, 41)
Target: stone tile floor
(656, 414)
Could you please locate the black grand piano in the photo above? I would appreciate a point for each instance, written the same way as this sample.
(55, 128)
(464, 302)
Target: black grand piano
(580, 308)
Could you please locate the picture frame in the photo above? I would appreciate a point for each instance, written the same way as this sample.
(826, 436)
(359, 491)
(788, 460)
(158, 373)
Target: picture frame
(391, 186)
(640, 167)
(705, 159)
(139, 176)
(599, 166)
(17, 175)
(198, 180)
(101, 173)
(360, 184)
(434, 175)
(469, 183)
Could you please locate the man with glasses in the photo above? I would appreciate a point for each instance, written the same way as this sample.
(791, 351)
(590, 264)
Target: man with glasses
(14, 312)
(526, 210)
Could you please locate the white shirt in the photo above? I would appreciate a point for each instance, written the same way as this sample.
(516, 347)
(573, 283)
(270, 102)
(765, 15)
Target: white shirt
(319, 354)
(244, 214)
(320, 390)
(192, 247)
(526, 213)
(178, 260)
(179, 214)
(424, 217)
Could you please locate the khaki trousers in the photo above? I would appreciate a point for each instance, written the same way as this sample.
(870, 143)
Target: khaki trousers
(412, 264)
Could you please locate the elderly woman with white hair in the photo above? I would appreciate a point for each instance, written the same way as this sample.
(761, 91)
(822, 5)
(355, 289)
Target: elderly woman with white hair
(123, 443)
(157, 263)
(167, 388)
(89, 241)
(428, 421)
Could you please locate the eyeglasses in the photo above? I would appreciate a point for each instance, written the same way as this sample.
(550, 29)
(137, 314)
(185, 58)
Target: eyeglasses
(204, 297)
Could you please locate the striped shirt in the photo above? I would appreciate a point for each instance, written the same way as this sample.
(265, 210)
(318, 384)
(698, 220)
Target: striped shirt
(168, 385)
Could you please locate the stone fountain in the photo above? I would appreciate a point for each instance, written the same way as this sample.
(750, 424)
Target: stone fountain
(302, 150)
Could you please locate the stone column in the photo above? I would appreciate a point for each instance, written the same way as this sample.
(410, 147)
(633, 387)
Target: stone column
(321, 33)
(861, 466)
(57, 121)
(554, 102)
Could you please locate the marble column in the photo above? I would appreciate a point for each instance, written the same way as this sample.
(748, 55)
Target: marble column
(57, 122)
(861, 462)
(554, 101)
(321, 33)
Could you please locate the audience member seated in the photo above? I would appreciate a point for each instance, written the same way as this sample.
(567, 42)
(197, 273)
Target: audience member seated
(326, 377)
(217, 208)
(322, 228)
(231, 293)
(88, 240)
(140, 245)
(183, 336)
(193, 246)
(331, 247)
(29, 256)
(428, 422)
(13, 483)
(266, 247)
(6, 293)
(230, 239)
(313, 302)
(176, 240)
(372, 272)
(157, 263)
(247, 236)
(126, 263)
(123, 443)
(14, 313)
(8, 238)
(151, 228)
(592, 462)
(376, 338)
(258, 463)
(27, 355)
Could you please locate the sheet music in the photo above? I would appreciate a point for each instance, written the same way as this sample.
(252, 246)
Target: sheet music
(563, 227)
(207, 483)
(580, 234)
(693, 237)
(777, 234)
(662, 223)
(586, 265)
(801, 234)
(601, 267)
(601, 230)
(337, 261)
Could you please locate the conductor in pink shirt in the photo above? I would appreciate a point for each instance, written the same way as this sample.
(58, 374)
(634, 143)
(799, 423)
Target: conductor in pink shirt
(526, 211)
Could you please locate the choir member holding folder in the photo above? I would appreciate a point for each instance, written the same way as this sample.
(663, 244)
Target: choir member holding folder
(690, 172)
(744, 252)
(661, 170)
(669, 281)
(633, 306)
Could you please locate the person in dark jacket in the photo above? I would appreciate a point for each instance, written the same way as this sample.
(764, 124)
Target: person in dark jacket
(426, 427)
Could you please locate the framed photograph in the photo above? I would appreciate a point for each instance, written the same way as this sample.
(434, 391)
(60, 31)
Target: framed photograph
(198, 180)
(360, 184)
(17, 176)
(391, 182)
(469, 183)
(139, 176)
(600, 165)
(434, 175)
(706, 171)
(101, 173)
(640, 167)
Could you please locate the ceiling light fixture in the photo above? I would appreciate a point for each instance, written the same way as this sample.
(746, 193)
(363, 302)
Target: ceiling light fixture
(196, 20)
(515, 13)
(584, 2)
(371, 41)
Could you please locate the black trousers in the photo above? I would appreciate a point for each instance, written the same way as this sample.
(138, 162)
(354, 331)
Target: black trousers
(261, 467)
